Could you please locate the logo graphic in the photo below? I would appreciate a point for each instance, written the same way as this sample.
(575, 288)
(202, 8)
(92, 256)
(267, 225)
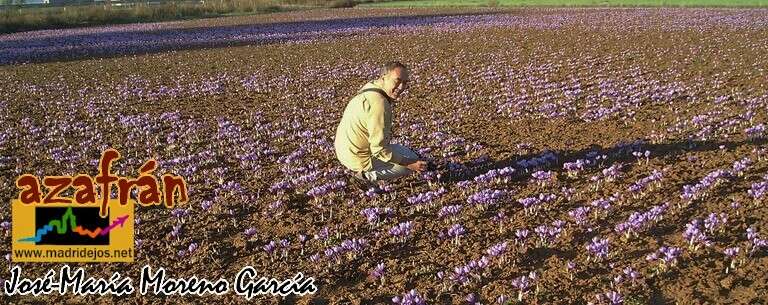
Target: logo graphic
(89, 225)
(72, 233)
(67, 229)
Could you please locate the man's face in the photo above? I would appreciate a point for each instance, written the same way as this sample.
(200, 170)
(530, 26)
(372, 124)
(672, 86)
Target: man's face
(396, 82)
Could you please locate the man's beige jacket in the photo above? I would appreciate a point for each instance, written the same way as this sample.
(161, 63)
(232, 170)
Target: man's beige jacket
(365, 131)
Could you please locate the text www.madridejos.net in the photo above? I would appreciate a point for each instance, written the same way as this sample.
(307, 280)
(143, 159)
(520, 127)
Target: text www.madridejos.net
(79, 253)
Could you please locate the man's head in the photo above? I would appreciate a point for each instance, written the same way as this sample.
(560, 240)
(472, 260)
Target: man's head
(394, 78)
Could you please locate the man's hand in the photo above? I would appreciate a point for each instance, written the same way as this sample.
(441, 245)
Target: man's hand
(417, 166)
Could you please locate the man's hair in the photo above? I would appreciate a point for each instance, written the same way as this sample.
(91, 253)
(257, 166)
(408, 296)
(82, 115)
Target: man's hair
(391, 65)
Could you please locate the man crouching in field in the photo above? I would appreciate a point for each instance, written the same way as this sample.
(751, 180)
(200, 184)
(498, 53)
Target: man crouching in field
(363, 136)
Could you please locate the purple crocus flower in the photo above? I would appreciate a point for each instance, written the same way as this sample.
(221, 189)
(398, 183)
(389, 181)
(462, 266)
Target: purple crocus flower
(471, 299)
(695, 236)
(456, 231)
(250, 232)
(715, 222)
(410, 298)
(497, 249)
(449, 211)
(192, 248)
(523, 283)
(731, 254)
(614, 298)
(521, 235)
(599, 248)
(486, 197)
(426, 198)
(402, 230)
(206, 205)
(270, 248)
(580, 215)
(378, 271)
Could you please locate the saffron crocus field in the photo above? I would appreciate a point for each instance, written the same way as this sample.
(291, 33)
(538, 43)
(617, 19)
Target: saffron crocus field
(601, 156)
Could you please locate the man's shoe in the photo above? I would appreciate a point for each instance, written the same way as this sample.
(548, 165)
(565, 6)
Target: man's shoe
(359, 180)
